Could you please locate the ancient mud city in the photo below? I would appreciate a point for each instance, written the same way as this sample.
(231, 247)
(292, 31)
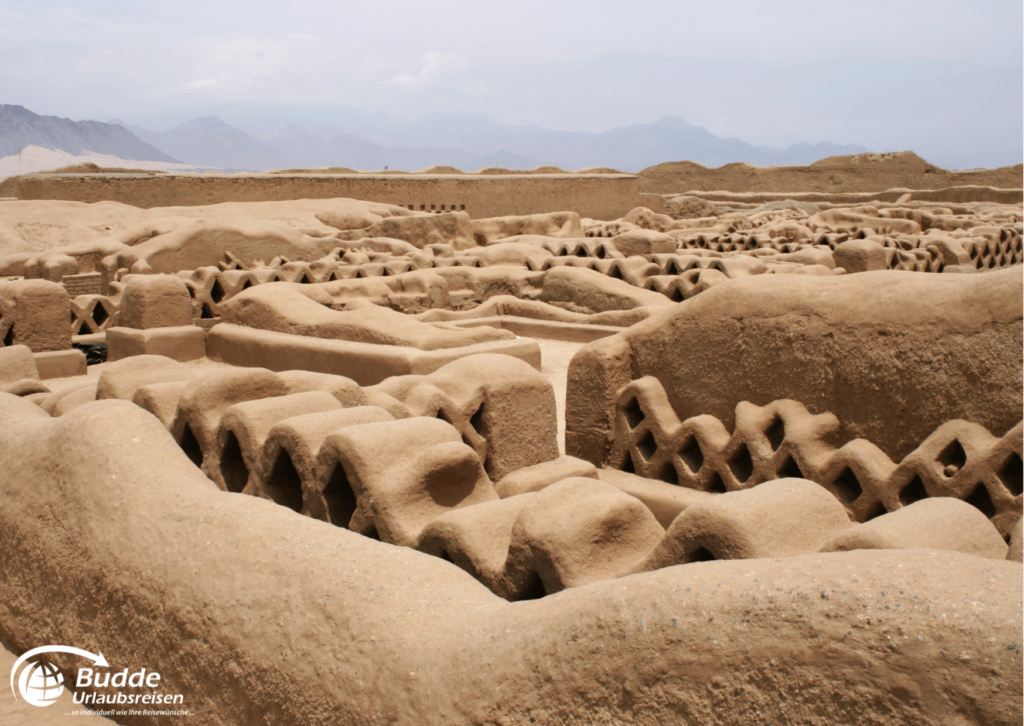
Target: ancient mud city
(689, 446)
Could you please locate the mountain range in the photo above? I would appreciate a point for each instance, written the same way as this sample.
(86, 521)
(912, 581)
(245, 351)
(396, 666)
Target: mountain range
(377, 141)
(468, 142)
(19, 128)
(209, 142)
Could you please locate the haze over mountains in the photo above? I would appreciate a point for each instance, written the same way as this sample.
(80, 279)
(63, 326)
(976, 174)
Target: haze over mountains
(468, 142)
(209, 142)
(19, 128)
(375, 141)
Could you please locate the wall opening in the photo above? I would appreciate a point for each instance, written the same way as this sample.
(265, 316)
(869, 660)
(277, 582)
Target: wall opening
(1012, 473)
(847, 487)
(692, 455)
(534, 590)
(775, 433)
(981, 499)
(339, 497)
(701, 554)
(283, 483)
(953, 458)
(876, 511)
(633, 413)
(791, 470)
(741, 464)
(232, 465)
(716, 485)
(477, 420)
(913, 491)
(647, 446)
(99, 314)
(190, 445)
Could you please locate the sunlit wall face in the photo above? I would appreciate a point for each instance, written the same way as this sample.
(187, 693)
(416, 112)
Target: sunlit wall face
(943, 78)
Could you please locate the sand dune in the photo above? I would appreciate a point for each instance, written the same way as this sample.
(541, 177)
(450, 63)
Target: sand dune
(36, 158)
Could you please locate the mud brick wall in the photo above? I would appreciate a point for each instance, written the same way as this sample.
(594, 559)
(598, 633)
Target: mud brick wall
(598, 196)
(90, 283)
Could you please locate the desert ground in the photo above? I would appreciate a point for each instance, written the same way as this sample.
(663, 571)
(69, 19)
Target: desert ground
(37, 158)
(748, 452)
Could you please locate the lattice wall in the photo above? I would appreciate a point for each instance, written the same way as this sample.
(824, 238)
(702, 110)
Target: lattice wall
(783, 439)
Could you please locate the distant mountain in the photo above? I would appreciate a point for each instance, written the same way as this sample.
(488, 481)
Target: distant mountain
(376, 141)
(305, 147)
(632, 148)
(505, 159)
(19, 128)
(325, 146)
(209, 142)
(629, 148)
(465, 141)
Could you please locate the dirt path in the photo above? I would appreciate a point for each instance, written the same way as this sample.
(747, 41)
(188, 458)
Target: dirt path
(555, 357)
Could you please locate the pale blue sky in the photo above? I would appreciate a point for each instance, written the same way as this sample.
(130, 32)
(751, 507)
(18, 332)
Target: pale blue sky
(942, 77)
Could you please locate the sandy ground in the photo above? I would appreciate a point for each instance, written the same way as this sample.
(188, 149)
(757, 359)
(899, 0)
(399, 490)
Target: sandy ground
(554, 358)
(36, 158)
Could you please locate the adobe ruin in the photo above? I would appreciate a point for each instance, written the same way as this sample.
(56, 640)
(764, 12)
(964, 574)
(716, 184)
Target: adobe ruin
(712, 459)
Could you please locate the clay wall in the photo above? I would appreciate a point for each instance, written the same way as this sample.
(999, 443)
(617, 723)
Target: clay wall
(957, 195)
(791, 497)
(858, 173)
(599, 196)
(89, 283)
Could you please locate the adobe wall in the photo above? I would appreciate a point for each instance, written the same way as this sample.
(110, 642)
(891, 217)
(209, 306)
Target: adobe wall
(417, 552)
(956, 195)
(836, 174)
(599, 196)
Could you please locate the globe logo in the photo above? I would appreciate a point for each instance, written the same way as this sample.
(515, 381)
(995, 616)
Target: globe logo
(41, 684)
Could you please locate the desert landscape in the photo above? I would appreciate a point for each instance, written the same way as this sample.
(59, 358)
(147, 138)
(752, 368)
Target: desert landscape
(548, 447)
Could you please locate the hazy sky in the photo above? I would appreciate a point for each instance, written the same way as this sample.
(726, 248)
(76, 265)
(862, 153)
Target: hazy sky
(941, 77)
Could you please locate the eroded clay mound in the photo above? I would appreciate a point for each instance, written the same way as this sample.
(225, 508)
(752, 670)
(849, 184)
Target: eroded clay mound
(893, 355)
(274, 307)
(766, 443)
(462, 464)
(856, 173)
(36, 226)
(435, 644)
